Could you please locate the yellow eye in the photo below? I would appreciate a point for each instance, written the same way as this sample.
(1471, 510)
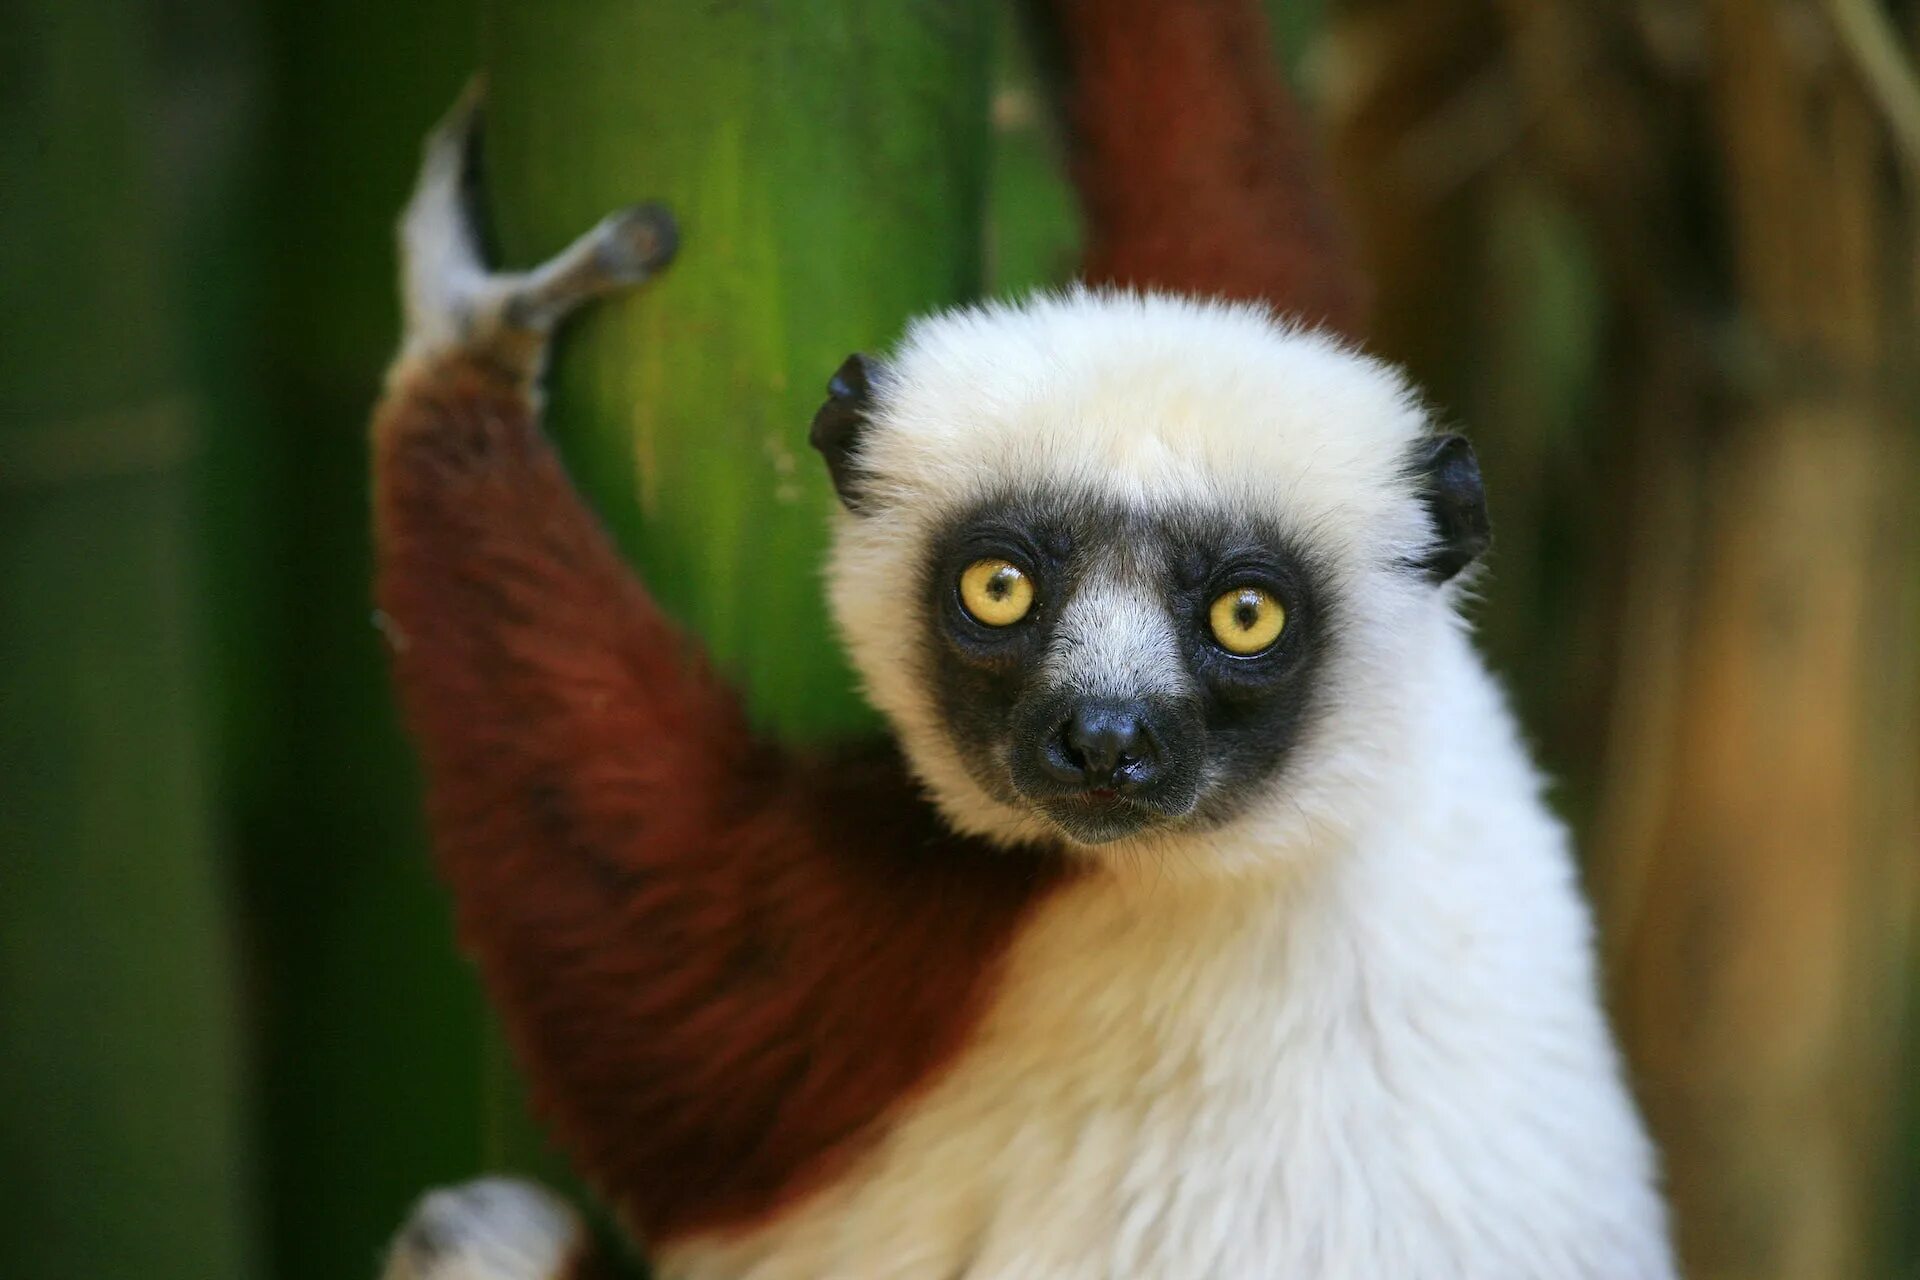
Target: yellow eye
(1246, 620)
(996, 592)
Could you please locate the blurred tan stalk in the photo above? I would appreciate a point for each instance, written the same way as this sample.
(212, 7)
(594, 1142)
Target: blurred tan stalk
(1736, 172)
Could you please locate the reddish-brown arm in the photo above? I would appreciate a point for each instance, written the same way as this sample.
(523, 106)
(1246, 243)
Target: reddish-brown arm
(1195, 168)
(719, 964)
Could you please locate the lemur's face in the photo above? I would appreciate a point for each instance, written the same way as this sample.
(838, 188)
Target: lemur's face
(1118, 668)
(1122, 571)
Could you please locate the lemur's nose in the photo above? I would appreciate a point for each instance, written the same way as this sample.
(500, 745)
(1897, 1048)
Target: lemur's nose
(1104, 746)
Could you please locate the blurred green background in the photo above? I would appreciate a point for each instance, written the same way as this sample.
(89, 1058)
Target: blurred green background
(1661, 260)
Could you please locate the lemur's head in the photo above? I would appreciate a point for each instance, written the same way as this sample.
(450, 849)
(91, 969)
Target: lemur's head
(1129, 571)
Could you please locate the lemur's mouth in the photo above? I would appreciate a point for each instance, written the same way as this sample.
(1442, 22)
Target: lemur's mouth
(1099, 815)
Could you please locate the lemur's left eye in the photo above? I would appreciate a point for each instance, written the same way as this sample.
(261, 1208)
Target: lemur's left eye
(1247, 620)
(996, 592)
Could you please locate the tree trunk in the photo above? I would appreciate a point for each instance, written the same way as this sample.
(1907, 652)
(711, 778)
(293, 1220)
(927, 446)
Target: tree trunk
(121, 1118)
(371, 1027)
(827, 163)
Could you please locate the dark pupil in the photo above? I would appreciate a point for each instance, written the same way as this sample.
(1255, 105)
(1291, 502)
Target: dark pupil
(1000, 585)
(1246, 612)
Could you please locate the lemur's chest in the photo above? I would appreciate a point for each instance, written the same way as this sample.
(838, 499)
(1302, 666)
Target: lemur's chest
(1136, 1086)
(1351, 1077)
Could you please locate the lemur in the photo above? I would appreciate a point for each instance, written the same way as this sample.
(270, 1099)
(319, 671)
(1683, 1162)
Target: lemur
(1202, 918)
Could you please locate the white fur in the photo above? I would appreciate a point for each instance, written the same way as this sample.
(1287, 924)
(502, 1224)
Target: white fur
(1354, 1033)
(491, 1229)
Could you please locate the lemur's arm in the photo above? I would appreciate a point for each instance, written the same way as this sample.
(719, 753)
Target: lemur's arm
(1195, 167)
(719, 962)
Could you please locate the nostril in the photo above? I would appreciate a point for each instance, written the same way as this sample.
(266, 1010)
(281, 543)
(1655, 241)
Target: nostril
(1061, 758)
(1140, 769)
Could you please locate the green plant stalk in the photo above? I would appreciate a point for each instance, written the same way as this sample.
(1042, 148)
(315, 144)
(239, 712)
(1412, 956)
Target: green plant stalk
(122, 1116)
(827, 162)
(371, 1025)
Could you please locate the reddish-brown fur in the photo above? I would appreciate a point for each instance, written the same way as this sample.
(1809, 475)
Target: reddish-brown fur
(1196, 172)
(719, 963)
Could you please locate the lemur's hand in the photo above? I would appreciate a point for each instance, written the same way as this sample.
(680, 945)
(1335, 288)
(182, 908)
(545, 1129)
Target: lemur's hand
(493, 1229)
(455, 304)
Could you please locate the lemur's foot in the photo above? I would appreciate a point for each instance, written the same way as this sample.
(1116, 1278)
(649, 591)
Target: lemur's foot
(492, 1229)
(454, 303)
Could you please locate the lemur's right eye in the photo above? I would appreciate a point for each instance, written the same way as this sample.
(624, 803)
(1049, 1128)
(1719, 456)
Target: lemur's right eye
(995, 592)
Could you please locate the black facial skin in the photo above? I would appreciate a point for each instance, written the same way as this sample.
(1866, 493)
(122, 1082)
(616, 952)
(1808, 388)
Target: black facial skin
(1105, 767)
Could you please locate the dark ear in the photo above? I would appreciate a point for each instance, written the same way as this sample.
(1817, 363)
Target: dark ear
(1449, 478)
(838, 426)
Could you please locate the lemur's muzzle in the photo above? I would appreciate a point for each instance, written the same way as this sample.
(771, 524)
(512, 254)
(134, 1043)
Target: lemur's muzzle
(1103, 745)
(1104, 767)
